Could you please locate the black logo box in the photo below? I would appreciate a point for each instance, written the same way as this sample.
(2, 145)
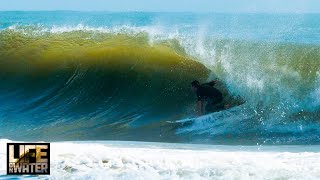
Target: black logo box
(33, 144)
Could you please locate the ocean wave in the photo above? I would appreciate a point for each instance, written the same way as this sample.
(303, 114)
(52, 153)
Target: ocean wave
(68, 81)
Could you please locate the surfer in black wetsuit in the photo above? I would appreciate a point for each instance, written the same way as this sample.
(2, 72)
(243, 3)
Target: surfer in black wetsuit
(207, 93)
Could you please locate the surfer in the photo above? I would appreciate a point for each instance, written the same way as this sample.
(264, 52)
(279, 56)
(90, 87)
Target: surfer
(207, 93)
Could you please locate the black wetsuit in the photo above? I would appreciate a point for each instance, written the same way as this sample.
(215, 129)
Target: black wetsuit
(213, 96)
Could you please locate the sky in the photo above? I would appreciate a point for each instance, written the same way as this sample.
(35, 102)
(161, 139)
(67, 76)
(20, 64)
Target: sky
(234, 6)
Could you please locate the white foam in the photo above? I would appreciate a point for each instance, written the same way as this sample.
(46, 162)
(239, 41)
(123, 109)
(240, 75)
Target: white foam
(132, 160)
(153, 31)
(315, 95)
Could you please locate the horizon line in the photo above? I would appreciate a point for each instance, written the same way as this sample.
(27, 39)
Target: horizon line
(145, 11)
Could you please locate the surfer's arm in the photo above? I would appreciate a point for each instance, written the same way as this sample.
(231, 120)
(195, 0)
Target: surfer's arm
(211, 83)
(200, 108)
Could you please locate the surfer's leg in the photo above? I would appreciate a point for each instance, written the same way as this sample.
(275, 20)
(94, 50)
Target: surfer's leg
(214, 106)
(209, 108)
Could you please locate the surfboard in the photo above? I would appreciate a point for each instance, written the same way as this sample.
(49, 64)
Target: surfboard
(210, 115)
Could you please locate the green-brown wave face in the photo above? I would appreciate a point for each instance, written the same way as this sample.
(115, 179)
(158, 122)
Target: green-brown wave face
(60, 85)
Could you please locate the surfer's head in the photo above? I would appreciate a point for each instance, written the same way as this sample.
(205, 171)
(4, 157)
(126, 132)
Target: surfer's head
(194, 85)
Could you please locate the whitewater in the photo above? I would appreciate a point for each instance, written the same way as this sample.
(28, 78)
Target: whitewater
(144, 160)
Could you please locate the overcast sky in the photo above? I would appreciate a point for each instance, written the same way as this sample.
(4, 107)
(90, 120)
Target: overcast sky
(281, 6)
